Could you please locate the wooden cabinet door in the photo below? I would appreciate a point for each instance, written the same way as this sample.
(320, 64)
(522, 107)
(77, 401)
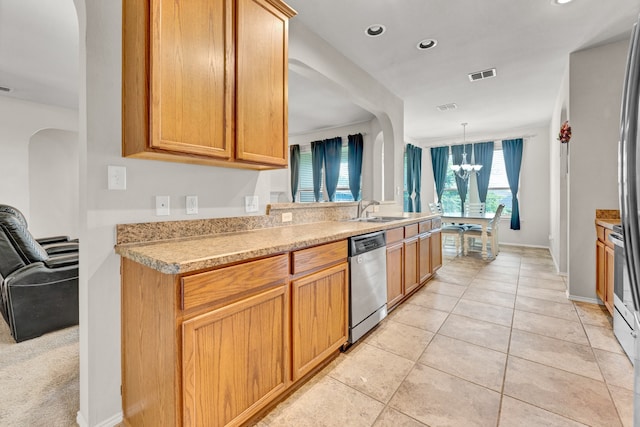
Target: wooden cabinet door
(424, 245)
(436, 250)
(600, 271)
(411, 265)
(320, 316)
(395, 272)
(235, 359)
(191, 46)
(261, 82)
(609, 273)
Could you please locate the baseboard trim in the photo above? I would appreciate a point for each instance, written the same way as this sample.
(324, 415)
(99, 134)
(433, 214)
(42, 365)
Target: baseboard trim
(109, 422)
(582, 299)
(524, 245)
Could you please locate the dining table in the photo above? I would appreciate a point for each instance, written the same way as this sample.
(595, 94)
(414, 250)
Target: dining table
(459, 218)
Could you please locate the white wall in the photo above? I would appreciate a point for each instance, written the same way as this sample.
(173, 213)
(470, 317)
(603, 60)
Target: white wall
(220, 190)
(596, 77)
(19, 120)
(534, 183)
(54, 183)
(307, 50)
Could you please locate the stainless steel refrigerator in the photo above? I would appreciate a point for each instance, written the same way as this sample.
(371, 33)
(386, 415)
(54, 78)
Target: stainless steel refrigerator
(629, 189)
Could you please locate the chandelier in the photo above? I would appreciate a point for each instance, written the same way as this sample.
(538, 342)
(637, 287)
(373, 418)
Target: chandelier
(464, 170)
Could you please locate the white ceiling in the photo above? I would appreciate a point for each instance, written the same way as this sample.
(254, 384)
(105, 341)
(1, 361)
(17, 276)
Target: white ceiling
(39, 51)
(528, 41)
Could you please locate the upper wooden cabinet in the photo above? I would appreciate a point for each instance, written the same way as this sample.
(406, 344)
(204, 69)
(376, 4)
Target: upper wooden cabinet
(205, 81)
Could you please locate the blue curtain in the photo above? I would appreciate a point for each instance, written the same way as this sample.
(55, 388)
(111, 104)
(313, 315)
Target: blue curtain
(409, 174)
(317, 159)
(354, 159)
(483, 155)
(332, 154)
(294, 161)
(439, 161)
(512, 150)
(417, 176)
(461, 184)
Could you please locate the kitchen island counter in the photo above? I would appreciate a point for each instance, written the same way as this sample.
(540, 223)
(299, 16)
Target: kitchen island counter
(187, 254)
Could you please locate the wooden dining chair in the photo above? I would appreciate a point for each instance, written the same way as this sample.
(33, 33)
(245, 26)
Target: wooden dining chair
(448, 230)
(435, 208)
(474, 209)
(475, 232)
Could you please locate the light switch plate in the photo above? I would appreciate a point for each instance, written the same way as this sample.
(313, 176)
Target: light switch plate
(116, 177)
(162, 205)
(192, 205)
(251, 204)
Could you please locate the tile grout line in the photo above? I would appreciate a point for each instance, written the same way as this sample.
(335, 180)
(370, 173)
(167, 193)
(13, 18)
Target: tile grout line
(506, 359)
(604, 378)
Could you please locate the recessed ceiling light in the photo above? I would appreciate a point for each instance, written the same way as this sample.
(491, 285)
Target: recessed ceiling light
(427, 44)
(561, 2)
(375, 30)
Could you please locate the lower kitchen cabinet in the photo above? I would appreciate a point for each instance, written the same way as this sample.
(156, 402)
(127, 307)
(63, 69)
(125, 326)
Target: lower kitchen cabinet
(601, 274)
(395, 273)
(235, 359)
(436, 249)
(320, 317)
(609, 264)
(320, 307)
(604, 267)
(206, 349)
(411, 264)
(414, 253)
(424, 244)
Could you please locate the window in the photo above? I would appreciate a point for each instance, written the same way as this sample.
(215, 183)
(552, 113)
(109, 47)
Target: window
(498, 192)
(305, 187)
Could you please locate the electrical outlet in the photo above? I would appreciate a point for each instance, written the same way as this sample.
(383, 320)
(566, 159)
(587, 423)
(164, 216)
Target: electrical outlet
(116, 177)
(251, 204)
(192, 205)
(287, 217)
(162, 205)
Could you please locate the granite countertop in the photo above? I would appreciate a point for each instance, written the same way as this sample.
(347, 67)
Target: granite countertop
(184, 255)
(607, 223)
(607, 218)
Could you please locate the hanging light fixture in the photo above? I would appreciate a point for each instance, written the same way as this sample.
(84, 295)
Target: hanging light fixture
(464, 170)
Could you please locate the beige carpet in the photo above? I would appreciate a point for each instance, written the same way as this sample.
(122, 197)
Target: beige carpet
(39, 381)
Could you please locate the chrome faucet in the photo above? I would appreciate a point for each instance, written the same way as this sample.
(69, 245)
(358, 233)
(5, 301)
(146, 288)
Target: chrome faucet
(362, 208)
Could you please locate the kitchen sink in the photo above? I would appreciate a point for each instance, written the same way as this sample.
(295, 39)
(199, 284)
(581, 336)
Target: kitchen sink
(378, 219)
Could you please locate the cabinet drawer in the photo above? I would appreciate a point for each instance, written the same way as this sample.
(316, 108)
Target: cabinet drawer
(395, 235)
(227, 283)
(424, 226)
(318, 256)
(600, 232)
(410, 230)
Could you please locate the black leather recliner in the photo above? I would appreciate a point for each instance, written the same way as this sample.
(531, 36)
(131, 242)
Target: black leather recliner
(52, 244)
(39, 291)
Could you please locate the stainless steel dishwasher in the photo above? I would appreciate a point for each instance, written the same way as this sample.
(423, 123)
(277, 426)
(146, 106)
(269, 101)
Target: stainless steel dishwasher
(368, 283)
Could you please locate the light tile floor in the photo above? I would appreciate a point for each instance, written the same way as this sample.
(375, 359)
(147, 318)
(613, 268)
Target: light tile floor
(482, 344)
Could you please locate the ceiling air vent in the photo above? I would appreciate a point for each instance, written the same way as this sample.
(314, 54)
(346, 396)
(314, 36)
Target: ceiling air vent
(481, 75)
(447, 107)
